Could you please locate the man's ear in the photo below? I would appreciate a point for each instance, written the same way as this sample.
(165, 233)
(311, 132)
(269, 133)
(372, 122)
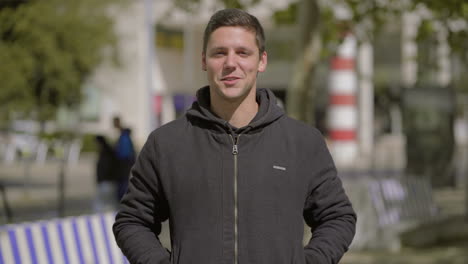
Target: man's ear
(263, 62)
(203, 61)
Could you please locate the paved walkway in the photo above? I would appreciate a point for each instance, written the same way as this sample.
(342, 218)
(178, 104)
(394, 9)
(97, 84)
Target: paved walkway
(33, 191)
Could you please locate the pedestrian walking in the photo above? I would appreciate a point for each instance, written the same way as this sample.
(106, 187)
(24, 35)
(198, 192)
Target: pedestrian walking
(125, 157)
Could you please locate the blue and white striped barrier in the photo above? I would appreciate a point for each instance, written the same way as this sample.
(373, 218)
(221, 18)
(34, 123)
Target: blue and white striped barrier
(83, 239)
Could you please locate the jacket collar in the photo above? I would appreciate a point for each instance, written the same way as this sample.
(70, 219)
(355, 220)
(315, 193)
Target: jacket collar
(268, 110)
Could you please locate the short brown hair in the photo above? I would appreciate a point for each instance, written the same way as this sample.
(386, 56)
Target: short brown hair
(233, 17)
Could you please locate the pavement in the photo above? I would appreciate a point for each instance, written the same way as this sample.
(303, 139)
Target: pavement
(39, 199)
(33, 190)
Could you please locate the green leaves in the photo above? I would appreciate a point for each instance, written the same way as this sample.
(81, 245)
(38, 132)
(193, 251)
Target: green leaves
(47, 49)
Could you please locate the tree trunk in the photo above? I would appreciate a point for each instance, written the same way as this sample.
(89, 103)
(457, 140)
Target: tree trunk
(300, 93)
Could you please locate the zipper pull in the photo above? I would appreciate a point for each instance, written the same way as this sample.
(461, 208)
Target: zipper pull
(234, 149)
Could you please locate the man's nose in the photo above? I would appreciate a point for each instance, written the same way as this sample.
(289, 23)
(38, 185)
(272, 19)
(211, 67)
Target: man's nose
(230, 61)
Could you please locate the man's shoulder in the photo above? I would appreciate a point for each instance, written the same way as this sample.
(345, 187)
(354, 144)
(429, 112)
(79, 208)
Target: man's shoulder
(306, 137)
(300, 128)
(170, 130)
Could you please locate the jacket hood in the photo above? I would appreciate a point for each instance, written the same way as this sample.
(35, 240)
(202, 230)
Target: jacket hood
(268, 110)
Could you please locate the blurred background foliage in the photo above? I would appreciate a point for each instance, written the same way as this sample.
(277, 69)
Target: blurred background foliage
(48, 48)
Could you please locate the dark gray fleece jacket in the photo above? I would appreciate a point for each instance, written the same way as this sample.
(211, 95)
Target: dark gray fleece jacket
(235, 195)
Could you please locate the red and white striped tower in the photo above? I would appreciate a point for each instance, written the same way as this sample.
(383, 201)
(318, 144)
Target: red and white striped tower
(342, 112)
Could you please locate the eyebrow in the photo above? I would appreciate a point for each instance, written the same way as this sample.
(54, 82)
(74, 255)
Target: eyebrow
(218, 48)
(222, 48)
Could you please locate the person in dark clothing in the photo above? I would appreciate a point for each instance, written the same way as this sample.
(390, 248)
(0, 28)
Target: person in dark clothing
(105, 176)
(235, 176)
(105, 161)
(124, 156)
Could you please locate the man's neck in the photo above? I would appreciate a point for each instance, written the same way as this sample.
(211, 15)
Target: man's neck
(237, 113)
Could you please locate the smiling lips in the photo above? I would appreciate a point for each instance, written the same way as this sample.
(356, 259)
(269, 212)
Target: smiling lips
(230, 80)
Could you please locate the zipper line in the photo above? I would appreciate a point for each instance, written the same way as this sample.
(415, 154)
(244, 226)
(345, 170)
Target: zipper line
(235, 151)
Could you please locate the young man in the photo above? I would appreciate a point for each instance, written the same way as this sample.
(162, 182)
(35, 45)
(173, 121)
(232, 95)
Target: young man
(235, 176)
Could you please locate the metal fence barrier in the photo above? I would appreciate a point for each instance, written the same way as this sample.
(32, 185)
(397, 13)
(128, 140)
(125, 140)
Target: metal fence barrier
(402, 200)
(83, 239)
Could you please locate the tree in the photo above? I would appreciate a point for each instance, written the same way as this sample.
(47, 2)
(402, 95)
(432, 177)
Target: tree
(366, 18)
(47, 50)
(299, 104)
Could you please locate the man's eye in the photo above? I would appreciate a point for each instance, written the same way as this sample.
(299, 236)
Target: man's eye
(219, 53)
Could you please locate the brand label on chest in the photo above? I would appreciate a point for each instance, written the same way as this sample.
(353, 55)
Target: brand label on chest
(276, 167)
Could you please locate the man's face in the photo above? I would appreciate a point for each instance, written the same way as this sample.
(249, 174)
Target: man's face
(232, 62)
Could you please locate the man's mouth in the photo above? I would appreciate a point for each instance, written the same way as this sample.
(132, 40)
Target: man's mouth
(230, 80)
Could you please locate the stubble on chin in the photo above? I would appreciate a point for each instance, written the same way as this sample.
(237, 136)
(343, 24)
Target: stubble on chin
(233, 94)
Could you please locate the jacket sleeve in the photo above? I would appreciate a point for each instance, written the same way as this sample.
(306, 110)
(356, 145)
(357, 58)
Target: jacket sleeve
(328, 212)
(143, 208)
